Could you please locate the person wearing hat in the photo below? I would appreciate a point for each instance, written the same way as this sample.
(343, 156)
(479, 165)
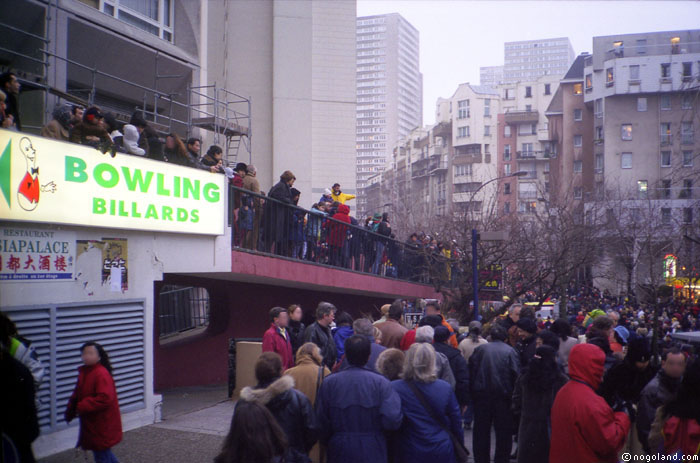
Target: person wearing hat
(327, 196)
(58, 127)
(90, 131)
(458, 365)
(526, 345)
(384, 310)
(339, 196)
(251, 206)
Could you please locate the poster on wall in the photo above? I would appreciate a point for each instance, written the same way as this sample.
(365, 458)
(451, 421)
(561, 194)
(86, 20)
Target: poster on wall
(103, 263)
(36, 254)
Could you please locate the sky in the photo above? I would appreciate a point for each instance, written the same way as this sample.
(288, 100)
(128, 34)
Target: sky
(459, 36)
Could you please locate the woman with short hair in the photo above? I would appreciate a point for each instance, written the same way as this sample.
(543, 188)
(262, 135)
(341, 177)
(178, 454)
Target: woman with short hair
(425, 400)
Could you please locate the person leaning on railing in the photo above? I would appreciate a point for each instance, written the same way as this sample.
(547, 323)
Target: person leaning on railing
(90, 131)
(250, 213)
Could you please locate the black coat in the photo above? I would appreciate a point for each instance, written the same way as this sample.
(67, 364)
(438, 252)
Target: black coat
(18, 415)
(296, 334)
(323, 338)
(459, 368)
(493, 370)
(293, 412)
(623, 382)
(278, 217)
(534, 406)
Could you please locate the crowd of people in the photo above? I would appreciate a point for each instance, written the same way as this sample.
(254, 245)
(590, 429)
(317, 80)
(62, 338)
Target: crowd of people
(575, 389)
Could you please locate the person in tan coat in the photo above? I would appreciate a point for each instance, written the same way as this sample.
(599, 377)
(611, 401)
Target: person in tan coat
(392, 329)
(254, 203)
(308, 375)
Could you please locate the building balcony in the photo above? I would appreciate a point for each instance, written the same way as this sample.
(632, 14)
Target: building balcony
(517, 117)
(533, 155)
(459, 179)
(423, 160)
(543, 135)
(438, 166)
(443, 129)
(461, 197)
(437, 150)
(419, 172)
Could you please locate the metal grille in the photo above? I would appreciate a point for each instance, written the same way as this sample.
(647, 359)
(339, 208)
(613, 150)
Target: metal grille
(57, 332)
(182, 308)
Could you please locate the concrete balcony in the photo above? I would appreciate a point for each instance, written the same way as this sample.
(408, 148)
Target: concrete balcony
(517, 117)
(533, 155)
(437, 150)
(543, 135)
(438, 166)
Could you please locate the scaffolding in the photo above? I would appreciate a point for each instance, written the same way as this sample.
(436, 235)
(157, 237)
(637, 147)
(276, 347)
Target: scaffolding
(207, 107)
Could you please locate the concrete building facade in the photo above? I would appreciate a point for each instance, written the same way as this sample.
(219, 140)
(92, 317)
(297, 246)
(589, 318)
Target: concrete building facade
(389, 91)
(524, 144)
(528, 60)
(490, 76)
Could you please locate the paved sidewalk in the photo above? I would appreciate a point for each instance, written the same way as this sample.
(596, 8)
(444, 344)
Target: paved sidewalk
(195, 421)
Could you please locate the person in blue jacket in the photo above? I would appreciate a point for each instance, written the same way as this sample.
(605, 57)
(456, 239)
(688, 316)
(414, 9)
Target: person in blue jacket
(421, 438)
(355, 407)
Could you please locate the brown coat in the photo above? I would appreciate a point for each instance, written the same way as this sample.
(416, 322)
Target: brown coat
(305, 376)
(251, 183)
(81, 130)
(54, 130)
(392, 333)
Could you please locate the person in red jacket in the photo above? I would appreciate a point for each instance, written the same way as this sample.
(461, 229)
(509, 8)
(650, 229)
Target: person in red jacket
(94, 402)
(584, 427)
(337, 233)
(276, 338)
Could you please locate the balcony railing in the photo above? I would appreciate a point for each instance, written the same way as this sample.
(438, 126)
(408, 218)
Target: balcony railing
(534, 155)
(264, 225)
(514, 117)
(438, 166)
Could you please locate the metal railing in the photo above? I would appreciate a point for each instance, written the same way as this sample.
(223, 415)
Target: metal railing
(266, 225)
(182, 309)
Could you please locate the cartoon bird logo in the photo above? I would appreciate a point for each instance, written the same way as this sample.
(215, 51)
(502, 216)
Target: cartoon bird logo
(29, 187)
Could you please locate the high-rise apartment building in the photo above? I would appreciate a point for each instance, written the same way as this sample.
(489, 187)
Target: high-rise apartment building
(389, 91)
(490, 76)
(528, 60)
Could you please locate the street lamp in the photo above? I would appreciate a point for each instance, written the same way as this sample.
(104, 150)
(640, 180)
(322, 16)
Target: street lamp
(475, 239)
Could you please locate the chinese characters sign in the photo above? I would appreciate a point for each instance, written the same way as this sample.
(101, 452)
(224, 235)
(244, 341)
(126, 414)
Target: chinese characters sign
(36, 255)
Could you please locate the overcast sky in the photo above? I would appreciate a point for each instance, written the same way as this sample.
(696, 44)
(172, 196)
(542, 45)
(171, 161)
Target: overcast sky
(459, 36)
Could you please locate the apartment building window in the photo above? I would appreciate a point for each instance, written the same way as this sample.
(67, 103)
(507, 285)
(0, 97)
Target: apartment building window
(487, 130)
(506, 189)
(509, 94)
(527, 129)
(528, 92)
(578, 192)
(665, 133)
(687, 135)
(641, 46)
(634, 72)
(153, 16)
(665, 70)
(578, 167)
(547, 89)
(506, 169)
(626, 131)
(642, 188)
(487, 107)
(598, 105)
(618, 49)
(589, 82)
(665, 102)
(687, 71)
(665, 189)
(578, 141)
(506, 131)
(665, 159)
(641, 104)
(506, 152)
(687, 191)
(462, 109)
(626, 161)
(687, 101)
(463, 169)
(687, 215)
(609, 76)
(675, 45)
(599, 163)
(687, 159)
(578, 90)
(666, 215)
(578, 114)
(527, 149)
(462, 132)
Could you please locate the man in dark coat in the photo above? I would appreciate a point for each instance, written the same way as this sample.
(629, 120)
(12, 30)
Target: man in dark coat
(658, 391)
(291, 408)
(493, 370)
(624, 382)
(527, 328)
(278, 214)
(458, 365)
(320, 334)
(355, 407)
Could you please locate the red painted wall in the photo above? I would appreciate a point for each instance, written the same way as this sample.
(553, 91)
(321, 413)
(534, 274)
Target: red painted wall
(240, 310)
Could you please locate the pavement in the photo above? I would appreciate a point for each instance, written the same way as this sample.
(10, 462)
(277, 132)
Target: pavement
(195, 422)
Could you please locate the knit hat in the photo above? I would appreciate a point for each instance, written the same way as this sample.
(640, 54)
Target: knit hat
(623, 333)
(327, 192)
(474, 325)
(638, 350)
(442, 334)
(240, 167)
(62, 113)
(527, 324)
(431, 320)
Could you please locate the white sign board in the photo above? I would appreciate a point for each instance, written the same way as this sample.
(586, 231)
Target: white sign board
(36, 255)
